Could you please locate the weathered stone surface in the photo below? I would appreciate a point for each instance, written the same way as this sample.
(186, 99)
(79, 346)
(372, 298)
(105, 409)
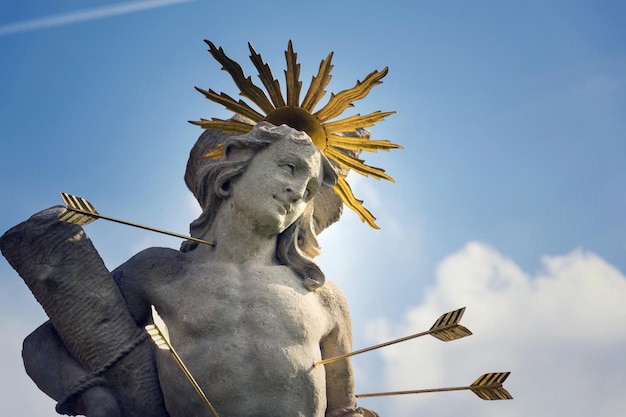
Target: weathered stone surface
(67, 276)
(248, 315)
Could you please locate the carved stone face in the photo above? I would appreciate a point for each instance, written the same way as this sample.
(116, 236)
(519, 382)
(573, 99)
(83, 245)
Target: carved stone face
(279, 182)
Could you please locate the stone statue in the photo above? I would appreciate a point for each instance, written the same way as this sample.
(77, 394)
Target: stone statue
(248, 315)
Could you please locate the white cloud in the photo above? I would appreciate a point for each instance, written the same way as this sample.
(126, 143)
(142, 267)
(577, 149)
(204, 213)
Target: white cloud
(193, 207)
(562, 333)
(85, 15)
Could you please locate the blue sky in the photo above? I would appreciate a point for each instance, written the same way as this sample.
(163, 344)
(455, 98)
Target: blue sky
(509, 198)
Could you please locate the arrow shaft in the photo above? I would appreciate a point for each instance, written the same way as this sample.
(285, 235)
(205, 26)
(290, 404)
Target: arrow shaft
(159, 333)
(192, 380)
(422, 391)
(152, 229)
(417, 391)
(392, 342)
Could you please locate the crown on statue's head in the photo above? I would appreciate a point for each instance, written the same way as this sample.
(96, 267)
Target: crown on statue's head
(331, 137)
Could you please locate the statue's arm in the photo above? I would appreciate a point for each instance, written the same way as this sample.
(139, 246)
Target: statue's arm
(340, 398)
(140, 278)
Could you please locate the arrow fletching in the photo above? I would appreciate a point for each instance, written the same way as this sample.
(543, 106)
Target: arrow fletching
(447, 327)
(159, 332)
(79, 211)
(489, 386)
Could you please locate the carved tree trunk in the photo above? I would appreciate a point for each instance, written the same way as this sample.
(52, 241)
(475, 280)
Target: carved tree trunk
(68, 278)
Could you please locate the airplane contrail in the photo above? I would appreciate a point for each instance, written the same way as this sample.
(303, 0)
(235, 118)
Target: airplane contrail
(84, 15)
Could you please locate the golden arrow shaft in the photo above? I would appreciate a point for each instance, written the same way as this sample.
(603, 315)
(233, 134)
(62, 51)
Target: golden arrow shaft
(392, 342)
(152, 229)
(192, 380)
(160, 336)
(422, 391)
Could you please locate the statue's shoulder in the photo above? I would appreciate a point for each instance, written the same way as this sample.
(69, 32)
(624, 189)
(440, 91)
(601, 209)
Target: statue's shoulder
(150, 266)
(153, 258)
(142, 276)
(333, 298)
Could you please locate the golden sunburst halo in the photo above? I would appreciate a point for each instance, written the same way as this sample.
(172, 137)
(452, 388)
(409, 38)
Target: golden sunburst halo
(329, 136)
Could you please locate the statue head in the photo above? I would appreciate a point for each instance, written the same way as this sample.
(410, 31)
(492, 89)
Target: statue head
(212, 182)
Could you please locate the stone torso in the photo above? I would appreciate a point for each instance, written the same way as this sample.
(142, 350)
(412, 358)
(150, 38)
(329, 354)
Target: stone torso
(248, 333)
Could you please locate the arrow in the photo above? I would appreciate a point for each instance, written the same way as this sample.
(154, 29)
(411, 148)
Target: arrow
(81, 212)
(446, 328)
(487, 387)
(160, 336)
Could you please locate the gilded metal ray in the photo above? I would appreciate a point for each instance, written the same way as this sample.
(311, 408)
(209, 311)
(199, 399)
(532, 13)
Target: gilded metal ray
(345, 192)
(292, 77)
(356, 164)
(352, 123)
(245, 84)
(342, 100)
(239, 107)
(318, 84)
(361, 144)
(215, 153)
(265, 75)
(225, 125)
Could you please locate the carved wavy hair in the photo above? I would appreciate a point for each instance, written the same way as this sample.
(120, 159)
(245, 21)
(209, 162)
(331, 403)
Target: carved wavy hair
(211, 180)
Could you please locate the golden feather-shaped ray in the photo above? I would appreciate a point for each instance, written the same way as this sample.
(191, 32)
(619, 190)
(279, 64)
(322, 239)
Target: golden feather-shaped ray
(352, 123)
(342, 100)
(361, 144)
(226, 125)
(265, 75)
(245, 84)
(356, 164)
(239, 107)
(292, 77)
(345, 192)
(215, 153)
(318, 84)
